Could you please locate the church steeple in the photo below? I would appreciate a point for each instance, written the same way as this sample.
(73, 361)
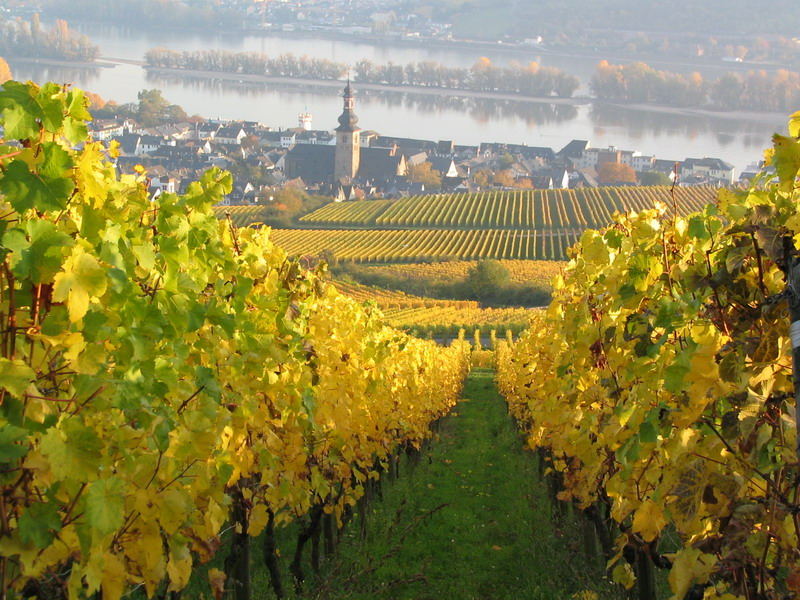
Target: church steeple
(348, 146)
(348, 118)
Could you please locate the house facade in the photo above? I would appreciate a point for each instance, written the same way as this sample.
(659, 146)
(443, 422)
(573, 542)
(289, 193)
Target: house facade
(714, 170)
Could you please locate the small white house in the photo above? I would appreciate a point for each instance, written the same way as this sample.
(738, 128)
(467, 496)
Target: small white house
(714, 169)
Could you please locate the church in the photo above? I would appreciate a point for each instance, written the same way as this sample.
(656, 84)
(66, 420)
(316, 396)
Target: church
(347, 162)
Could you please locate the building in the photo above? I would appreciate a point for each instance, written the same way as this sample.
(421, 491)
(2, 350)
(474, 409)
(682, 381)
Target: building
(348, 143)
(347, 161)
(304, 120)
(712, 170)
(231, 135)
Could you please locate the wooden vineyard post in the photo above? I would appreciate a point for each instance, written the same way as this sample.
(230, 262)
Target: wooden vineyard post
(793, 294)
(271, 557)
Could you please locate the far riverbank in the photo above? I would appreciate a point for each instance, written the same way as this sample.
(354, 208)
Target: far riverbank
(760, 116)
(55, 62)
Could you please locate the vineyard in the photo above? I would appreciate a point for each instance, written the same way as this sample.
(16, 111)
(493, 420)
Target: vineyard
(659, 389)
(524, 225)
(187, 409)
(448, 320)
(520, 271)
(392, 299)
(170, 382)
(241, 216)
(571, 210)
(414, 245)
(428, 316)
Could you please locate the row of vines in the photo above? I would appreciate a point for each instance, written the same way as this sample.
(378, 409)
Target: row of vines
(166, 377)
(538, 209)
(414, 245)
(658, 389)
(520, 271)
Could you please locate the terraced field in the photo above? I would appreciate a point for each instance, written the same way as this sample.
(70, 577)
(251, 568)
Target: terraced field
(507, 225)
(241, 216)
(415, 245)
(422, 315)
(393, 299)
(538, 209)
(520, 271)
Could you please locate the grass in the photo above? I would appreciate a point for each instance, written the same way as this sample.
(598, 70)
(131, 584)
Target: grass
(472, 521)
(469, 519)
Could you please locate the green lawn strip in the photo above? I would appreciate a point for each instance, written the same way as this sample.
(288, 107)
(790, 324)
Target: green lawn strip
(472, 520)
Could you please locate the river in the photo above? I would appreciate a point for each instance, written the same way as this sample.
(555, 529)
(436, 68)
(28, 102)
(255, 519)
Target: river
(737, 138)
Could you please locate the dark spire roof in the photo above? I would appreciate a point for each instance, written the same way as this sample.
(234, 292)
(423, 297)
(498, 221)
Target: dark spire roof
(348, 118)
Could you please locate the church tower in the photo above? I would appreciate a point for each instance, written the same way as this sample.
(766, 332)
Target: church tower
(348, 146)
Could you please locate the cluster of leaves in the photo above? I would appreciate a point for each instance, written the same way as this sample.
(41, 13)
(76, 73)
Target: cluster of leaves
(156, 362)
(659, 382)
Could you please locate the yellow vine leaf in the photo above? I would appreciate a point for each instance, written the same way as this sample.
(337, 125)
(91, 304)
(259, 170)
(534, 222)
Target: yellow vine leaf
(258, 520)
(216, 580)
(114, 577)
(649, 520)
(623, 575)
(689, 566)
(82, 279)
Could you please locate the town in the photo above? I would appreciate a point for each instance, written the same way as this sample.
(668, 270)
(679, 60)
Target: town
(354, 163)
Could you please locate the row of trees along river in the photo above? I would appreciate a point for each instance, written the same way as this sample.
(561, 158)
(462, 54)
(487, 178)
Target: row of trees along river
(754, 90)
(636, 82)
(530, 79)
(30, 39)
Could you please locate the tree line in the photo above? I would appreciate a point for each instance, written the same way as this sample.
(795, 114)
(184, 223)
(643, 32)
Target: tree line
(526, 79)
(29, 39)
(754, 90)
(251, 63)
(529, 80)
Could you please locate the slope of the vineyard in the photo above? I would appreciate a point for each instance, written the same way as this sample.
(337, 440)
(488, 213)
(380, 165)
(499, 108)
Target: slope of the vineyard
(434, 316)
(659, 384)
(520, 271)
(393, 299)
(164, 375)
(415, 245)
(449, 319)
(536, 209)
(242, 216)
(357, 213)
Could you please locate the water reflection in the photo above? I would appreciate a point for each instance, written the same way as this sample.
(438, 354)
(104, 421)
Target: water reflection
(61, 74)
(482, 110)
(738, 139)
(727, 131)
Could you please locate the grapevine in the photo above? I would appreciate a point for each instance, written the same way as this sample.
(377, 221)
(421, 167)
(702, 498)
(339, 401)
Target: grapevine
(165, 375)
(658, 384)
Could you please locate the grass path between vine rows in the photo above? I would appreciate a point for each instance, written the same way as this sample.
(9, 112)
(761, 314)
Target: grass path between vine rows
(471, 521)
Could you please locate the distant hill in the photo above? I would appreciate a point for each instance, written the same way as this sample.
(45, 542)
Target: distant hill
(489, 19)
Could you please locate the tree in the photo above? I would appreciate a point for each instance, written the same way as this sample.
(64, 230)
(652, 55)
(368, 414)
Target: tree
(5, 71)
(251, 143)
(505, 161)
(154, 109)
(481, 177)
(425, 174)
(486, 278)
(615, 173)
(96, 102)
(654, 178)
(504, 178)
